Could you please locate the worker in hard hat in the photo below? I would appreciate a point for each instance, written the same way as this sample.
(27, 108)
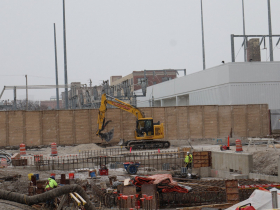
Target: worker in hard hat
(51, 183)
(188, 160)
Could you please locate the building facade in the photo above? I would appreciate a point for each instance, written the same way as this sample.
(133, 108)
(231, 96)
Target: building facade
(136, 78)
(227, 84)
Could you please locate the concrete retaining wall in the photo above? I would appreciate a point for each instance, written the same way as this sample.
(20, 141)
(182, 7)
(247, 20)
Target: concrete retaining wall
(232, 165)
(232, 162)
(180, 123)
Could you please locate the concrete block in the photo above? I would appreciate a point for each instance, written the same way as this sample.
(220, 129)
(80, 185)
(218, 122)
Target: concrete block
(214, 173)
(227, 175)
(229, 160)
(195, 171)
(239, 176)
(205, 172)
(253, 176)
(274, 179)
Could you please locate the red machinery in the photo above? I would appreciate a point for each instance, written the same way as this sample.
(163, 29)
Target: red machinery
(103, 171)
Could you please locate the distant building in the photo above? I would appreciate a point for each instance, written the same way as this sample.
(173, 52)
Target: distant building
(226, 84)
(135, 79)
(81, 96)
(51, 104)
(6, 105)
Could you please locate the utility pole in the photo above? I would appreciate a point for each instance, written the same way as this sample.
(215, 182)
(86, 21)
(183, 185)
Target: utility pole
(270, 31)
(245, 39)
(26, 93)
(56, 71)
(65, 58)
(15, 98)
(202, 31)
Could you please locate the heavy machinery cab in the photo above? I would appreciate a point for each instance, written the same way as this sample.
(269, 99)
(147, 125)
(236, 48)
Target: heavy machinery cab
(145, 125)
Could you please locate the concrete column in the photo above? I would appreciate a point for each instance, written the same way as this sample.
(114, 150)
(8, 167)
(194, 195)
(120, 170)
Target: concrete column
(177, 101)
(161, 103)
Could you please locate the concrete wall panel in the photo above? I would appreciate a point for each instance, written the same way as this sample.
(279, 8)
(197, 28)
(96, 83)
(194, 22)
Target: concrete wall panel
(33, 130)
(171, 123)
(93, 120)
(210, 121)
(148, 111)
(128, 125)
(239, 114)
(196, 122)
(254, 120)
(66, 128)
(224, 118)
(265, 119)
(3, 133)
(50, 127)
(182, 125)
(15, 128)
(82, 126)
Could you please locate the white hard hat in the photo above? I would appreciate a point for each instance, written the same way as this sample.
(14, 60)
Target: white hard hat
(188, 152)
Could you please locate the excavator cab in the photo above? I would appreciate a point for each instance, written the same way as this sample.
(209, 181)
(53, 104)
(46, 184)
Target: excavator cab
(145, 125)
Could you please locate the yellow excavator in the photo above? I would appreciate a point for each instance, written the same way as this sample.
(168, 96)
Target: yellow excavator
(146, 133)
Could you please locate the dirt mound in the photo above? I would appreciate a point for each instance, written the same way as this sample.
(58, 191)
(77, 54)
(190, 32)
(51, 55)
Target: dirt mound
(265, 162)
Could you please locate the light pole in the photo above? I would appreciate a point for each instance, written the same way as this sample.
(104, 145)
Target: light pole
(270, 31)
(26, 93)
(245, 38)
(65, 58)
(202, 31)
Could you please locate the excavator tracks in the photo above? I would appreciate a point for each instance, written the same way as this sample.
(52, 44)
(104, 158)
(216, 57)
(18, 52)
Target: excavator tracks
(147, 144)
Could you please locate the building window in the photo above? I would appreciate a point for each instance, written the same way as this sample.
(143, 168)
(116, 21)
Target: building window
(166, 79)
(140, 80)
(131, 81)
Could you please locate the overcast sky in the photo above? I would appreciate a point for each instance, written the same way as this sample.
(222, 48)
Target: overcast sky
(116, 37)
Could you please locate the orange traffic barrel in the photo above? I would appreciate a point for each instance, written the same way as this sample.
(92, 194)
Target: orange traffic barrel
(238, 145)
(53, 149)
(22, 150)
(4, 162)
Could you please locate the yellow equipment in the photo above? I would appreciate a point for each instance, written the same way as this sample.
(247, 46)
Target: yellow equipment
(146, 130)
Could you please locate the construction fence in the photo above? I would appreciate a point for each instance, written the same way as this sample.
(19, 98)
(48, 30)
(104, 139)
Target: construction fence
(67, 127)
(147, 161)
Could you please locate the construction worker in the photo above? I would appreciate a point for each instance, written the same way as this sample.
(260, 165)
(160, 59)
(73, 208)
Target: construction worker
(188, 160)
(51, 183)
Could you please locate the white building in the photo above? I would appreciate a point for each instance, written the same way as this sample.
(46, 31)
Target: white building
(227, 84)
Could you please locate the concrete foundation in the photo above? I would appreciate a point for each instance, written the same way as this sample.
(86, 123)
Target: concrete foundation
(229, 161)
(264, 177)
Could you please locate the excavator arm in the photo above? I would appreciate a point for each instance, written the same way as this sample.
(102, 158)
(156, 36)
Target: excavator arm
(102, 110)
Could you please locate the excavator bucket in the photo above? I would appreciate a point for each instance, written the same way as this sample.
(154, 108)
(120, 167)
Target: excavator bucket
(107, 136)
(121, 142)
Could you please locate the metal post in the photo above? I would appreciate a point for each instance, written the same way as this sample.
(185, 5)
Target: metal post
(202, 31)
(185, 72)
(15, 98)
(232, 48)
(26, 93)
(56, 71)
(65, 58)
(274, 199)
(270, 31)
(245, 39)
